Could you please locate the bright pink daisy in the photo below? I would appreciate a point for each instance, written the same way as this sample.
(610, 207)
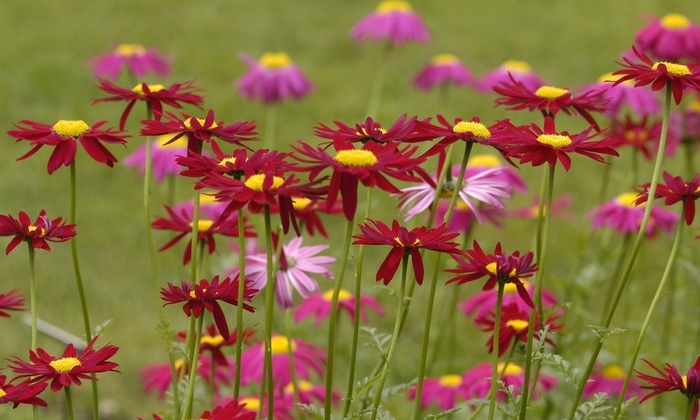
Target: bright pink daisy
(444, 391)
(673, 190)
(643, 102)
(671, 380)
(673, 37)
(308, 392)
(273, 78)
(442, 70)
(163, 156)
(393, 20)
(622, 214)
(476, 382)
(518, 70)
(38, 234)
(610, 380)
(319, 306)
(560, 207)
(138, 59)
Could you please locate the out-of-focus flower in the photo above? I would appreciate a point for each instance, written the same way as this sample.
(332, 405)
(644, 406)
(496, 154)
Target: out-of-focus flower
(673, 37)
(484, 302)
(643, 102)
(673, 190)
(212, 342)
(154, 95)
(319, 306)
(476, 382)
(622, 214)
(405, 243)
(560, 207)
(273, 78)
(158, 376)
(138, 59)
(282, 406)
(309, 392)
(393, 20)
(610, 380)
(644, 134)
(443, 69)
(63, 137)
(671, 380)
(443, 390)
(11, 301)
(231, 410)
(68, 369)
(22, 393)
(163, 156)
(518, 70)
(38, 234)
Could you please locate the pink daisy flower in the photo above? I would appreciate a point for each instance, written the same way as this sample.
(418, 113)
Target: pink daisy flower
(443, 391)
(476, 382)
(642, 101)
(157, 377)
(672, 37)
(443, 69)
(622, 214)
(137, 58)
(319, 306)
(692, 120)
(307, 358)
(163, 155)
(309, 392)
(273, 78)
(393, 20)
(484, 302)
(463, 218)
(610, 380)
(297, 263)
(518, 70)
(560, 207)
(209, 208)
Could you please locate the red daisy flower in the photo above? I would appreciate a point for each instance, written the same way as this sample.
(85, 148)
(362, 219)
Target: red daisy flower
(461, 130)
(198, 130)
(206, 229)
(22, 393)
(540, 145)
(68, 369)
(350, 166)
(63, 136)
(499, 267)
(642, 135)
(405, 244)
(229, 411)
(659, 74)
(675, 190)
(671, 380)
(155, 95)
(550, 100)
(307, 210)
(39, 234)
(402, 130)
(11, 301)
(204, 295)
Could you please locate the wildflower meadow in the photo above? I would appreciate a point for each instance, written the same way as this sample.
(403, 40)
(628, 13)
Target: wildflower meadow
(385, 210)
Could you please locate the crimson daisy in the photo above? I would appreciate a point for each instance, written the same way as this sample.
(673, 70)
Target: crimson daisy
(68, 369)
(38, 234)
(674, 190)
(229, 411)
(499, 267)
(539, 145)
(11, 301)
(643, 134)
(402, 130)
(198, 130)
(64, 135)
(205, 295)
(406, 243)
(22, 393)
(461, 130)
(659, 74)
(307, 210)
(671, 380)
(155, 95)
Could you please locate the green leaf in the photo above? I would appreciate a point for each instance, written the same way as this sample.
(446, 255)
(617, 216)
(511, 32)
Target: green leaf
(603, 332)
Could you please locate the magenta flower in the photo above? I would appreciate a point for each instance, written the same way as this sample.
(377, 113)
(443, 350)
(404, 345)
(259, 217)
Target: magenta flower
(138, 59)
(22, 393)
(623, 215)
(274, 78)
(671, 380)
(673, 37)
(163, 155)
(484, 302)
(476, 382)
(642, 101)
(443, 69)
(443, 390)
(520, 71)
(38, 234)
(319, 306)
(309, 392)
(393, 20)
(610, 380)
(11, 301)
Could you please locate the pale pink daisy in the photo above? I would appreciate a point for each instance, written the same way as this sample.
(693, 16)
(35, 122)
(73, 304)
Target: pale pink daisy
(443, 69)
(443, 390)
(519, 70)
(273, 78)
(609, 380)
(624, 216)
(319, 306)
(163, 156)
(393, 20)
(484, 302)
(642, 101)
(476, 382)
(137, 58)
(672, 38)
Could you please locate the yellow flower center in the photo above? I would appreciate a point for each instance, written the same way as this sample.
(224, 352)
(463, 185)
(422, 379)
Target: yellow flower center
(444, 59)
(365, 134)
(153, 88)
(342, 295)
(452, 381)
(252, 404)
(32, 228)
(684, 379)
(275, 60)
(206, 199)
(613, 372)
(203, 225)
(128, 50)
(517, 66)
(632, 135)
(256, 182)
(65, 364)
(485, 160)
(357, 158)
(2, 393)
(179, 363)
(70, 128)
(550, 92)
(226, 160)
(627, 199)
(557, 141)
(511, 369)
(193, 295)
(300, 203)
(517, 324)
(389, 6)
(281, 345)
(492, 268)
(675, 21)
(673, 68)
(609, 77)
(476, 128)
(512, 288)
(694, 107)
(214, 341)
(180, 143)
(188, 123)
(301, 384)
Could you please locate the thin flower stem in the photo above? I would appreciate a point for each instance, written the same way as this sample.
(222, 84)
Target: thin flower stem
(494, 359)
(689, 408)
(290, 353)
(460, 178)
(356, 324)
(394, 339)
(332, 319)
(194, 361)
(269, 311)
(378, 83)
(69, 403)
(546, 214)
(194, 243)
(635, 249)
(239, 307)
(32, 294)
(147, 175)
(650, 312)
(616, 273)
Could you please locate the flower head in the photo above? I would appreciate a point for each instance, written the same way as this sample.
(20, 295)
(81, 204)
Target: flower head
(610, 379)
(443, 69)
(309, 392)
(319, 306)
(67, 369)
(622, 214)
(11, 301)
(393, 20)
(163, 156)
(644, 135)
(674, 190)
(476, 382)
(516, 70)
(211, 341)
(643, 102)
(460, 130)
(138, 59)
(671, 380)
(63, 137)
(38, 234)
(443, 391)
(231, 410)
(484, 302)
(672, 37)
(273, 78)
(402, 130)
(23, 393)
(405, 243)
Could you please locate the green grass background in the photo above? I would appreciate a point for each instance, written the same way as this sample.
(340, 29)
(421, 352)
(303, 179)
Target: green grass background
(44, 45)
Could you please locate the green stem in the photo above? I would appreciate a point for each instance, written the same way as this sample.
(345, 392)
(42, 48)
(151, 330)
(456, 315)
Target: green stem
(292, 367)
(689, 408)
(32, 294)
(378, 83)
(616, 273)
(193, 349)
(394, 339)
(239, 307)
(650, 312)
(494, 359)
(269, 311)
(69, 403)
(635, 249)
